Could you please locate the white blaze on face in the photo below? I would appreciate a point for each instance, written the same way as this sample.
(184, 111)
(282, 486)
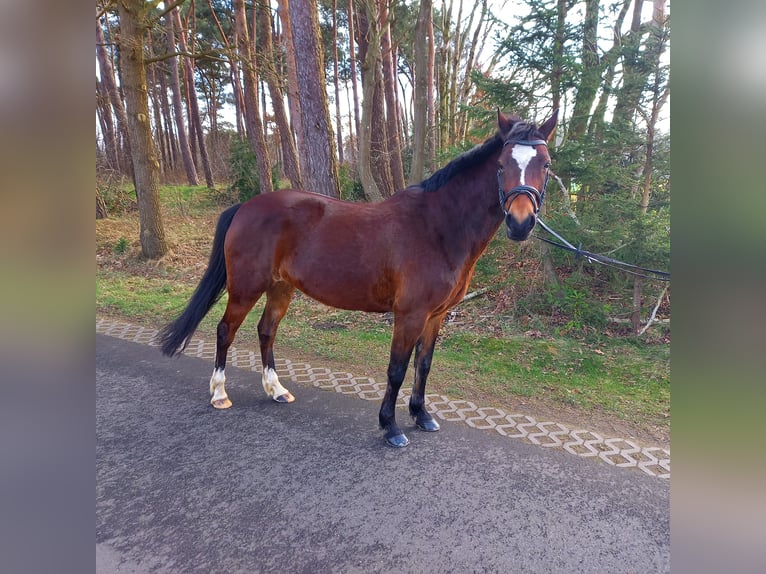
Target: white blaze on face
(271, 383)
(523, 154)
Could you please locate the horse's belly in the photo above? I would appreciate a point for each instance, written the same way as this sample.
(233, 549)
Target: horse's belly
(349, 288)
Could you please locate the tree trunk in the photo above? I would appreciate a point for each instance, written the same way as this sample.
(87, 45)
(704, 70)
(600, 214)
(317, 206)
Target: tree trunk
(338, 119)
(156, 110)
(369, 41)
(352, 60)
(389, 85)
(430, 133)
(558, 59)
(659, 97)
(170, 138)
(132, 14)
(252, 113)
(381, 164)
(650, 65)
(178, 112)
(634, 74)
(319, 167)
(107, 77)
(590, 78)
(293, 99)
(420, 112)
(233, 73)
(369, 53)
(104, 110)
(457, 43)
(191, 91)
(635, 316)
(467, 84)
(608, 64)
(269, 73)
(442, 78)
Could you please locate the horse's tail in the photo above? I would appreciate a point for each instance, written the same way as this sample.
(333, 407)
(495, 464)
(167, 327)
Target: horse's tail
(174, 337)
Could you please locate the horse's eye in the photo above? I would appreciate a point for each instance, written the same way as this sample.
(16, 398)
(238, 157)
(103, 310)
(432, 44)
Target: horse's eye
(547, 165)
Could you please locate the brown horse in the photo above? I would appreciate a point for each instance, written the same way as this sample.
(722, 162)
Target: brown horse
(413, 254)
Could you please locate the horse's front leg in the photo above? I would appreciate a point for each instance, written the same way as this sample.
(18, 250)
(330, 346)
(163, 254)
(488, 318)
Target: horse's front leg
(406, 331)
(424, 351)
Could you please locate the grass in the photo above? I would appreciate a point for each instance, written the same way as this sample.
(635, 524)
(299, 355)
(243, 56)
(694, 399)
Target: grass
(485, 353)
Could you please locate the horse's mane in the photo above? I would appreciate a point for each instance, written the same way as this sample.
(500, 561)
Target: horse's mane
(479, 154)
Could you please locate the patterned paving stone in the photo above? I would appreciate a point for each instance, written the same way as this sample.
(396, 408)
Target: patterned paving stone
(618, 452)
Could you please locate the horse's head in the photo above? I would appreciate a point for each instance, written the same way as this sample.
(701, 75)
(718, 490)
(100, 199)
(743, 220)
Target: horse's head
(522, 172)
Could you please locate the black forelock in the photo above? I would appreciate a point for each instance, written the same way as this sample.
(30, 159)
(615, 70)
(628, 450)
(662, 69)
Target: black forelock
(524, 131)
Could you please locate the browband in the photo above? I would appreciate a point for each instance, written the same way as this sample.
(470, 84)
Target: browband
(526, 142)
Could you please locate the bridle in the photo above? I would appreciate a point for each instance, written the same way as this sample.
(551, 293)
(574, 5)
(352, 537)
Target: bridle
(537, 196)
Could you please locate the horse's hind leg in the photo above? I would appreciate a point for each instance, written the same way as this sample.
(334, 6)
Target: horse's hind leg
(278, 299)
(236, 311)
(424, 351)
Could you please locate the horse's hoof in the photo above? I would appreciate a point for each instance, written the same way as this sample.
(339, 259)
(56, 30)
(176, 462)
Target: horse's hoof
(286, 398)
(221, 403)
(397, 441)
(428, 426)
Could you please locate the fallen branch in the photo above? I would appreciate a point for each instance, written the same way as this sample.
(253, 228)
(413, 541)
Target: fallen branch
(654, 311)
(621, 321)
(476, 293)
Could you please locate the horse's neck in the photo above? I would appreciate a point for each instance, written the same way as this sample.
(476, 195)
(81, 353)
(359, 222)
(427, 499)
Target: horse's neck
(472, 201)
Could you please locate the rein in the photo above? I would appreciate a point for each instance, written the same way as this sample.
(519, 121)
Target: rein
(532, 193)
(602, 259)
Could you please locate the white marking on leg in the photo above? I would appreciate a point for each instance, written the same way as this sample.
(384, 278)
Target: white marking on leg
(523, 154)
(219, 399)
(273, 387)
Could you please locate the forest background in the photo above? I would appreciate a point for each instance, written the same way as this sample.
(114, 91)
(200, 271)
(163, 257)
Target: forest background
(212, 101)
(298, 81)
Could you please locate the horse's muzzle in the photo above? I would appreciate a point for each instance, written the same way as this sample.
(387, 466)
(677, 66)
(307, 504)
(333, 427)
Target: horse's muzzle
(519, 231)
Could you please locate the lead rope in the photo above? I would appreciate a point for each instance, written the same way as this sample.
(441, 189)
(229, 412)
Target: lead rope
(602, 259)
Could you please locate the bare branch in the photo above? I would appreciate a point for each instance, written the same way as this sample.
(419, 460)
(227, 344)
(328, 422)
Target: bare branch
(565, 197)
(105, 5)
(168, 9)
(197, 56)
(218, 25)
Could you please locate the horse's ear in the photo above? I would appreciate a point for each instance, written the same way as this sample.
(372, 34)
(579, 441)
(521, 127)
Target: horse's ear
(504, 123)
(547, 128)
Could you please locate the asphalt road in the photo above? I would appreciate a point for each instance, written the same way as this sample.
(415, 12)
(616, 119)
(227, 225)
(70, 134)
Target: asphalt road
(311, 487)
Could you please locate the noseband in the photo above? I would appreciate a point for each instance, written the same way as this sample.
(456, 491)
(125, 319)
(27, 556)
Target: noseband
(532, 193)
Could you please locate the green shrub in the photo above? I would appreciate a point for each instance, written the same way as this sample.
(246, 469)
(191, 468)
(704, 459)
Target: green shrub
(578, 306)
(121, 246)
(350, 186)
(243, 170)
(119, 197)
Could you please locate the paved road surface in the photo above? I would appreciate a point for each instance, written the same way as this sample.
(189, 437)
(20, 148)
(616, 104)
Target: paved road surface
(311, 487)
